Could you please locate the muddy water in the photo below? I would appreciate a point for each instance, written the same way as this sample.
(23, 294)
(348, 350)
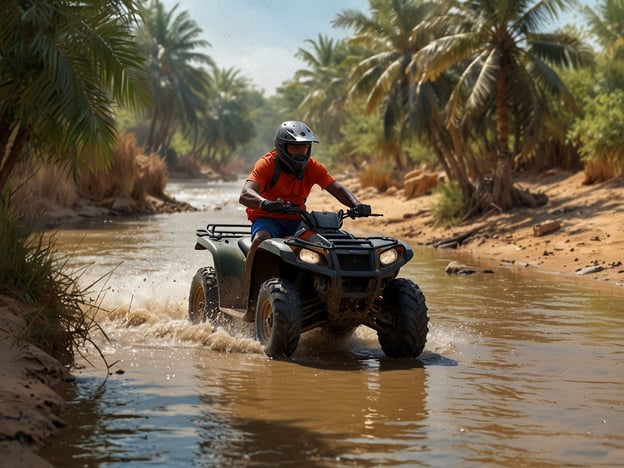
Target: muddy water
(519, 369)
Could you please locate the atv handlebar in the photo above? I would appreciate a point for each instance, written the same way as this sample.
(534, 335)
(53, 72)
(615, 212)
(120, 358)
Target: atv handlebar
(352, 213)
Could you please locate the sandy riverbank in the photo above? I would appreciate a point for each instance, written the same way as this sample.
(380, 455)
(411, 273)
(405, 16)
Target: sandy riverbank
(589, 244)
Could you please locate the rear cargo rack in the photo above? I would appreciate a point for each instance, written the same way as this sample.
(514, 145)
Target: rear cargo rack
(224, 231)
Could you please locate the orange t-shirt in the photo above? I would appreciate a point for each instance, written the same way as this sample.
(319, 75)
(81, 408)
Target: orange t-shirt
(287, 187)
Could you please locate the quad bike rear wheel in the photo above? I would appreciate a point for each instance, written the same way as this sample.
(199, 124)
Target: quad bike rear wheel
(204, 296)
(404, 305)
(278, 318)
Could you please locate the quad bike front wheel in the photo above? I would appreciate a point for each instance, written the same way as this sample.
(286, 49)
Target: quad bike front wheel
(204, 296)
(404, 306)
(278, 318)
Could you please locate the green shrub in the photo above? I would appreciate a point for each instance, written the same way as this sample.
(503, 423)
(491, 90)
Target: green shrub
(449, 206)
(600, 135)
(57, 312)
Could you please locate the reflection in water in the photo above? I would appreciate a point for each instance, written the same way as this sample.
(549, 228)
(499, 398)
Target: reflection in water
(519, 370)
(332, 413)
(246, 409)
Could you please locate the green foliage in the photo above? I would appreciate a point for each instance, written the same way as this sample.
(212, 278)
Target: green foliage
(419, 154)
(226, 123)
(57, 311)
(198, 109)
(363, 138)
(360, 137)
(606, 21)
(62, 66)
(600, 132)
(177, 84)
(449, 205)
(384, 72)
(266, 117)
(325, 84)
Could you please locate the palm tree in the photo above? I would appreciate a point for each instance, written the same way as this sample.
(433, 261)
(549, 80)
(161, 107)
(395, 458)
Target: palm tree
(390, 37)
(607, 24)
(225, 123)
(62, 66)
(324, 82)
(502, 59)
(177, 83)
(388, 75)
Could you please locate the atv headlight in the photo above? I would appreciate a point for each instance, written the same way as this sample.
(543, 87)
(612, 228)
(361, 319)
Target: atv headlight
(309, 256)
(388, 257)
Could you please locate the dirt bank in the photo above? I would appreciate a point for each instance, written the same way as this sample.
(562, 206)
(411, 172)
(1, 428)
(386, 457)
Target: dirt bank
(110, 208)
(29, 407)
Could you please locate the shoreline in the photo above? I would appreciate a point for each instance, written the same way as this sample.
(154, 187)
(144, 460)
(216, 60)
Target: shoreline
(587, 244)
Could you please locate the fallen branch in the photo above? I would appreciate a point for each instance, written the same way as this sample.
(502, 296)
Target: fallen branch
(455, 241)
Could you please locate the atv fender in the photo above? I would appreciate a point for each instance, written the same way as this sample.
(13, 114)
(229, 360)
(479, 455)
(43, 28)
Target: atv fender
(267, 263)
(229, 263)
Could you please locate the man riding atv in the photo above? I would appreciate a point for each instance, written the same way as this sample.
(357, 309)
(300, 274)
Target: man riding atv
(293, 271)
(285, 176)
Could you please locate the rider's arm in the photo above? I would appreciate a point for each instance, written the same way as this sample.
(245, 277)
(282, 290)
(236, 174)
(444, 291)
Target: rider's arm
(342, 194)
(250, 195)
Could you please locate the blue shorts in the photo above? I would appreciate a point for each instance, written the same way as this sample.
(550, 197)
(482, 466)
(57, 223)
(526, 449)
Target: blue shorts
(276, 227)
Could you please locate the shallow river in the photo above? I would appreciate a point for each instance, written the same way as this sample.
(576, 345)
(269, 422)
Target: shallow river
(519, 369)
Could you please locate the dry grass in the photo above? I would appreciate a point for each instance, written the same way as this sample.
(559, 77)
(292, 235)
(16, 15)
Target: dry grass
(44, 186)
(119, 179)
(379, 176)
(152, 176)
(601, 170)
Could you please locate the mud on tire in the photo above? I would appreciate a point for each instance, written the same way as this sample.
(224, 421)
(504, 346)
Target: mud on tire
(204, 296)
(278, 318)
(404, 304)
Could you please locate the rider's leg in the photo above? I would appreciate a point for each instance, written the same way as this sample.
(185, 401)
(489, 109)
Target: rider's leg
(266, 228)
(259, 237)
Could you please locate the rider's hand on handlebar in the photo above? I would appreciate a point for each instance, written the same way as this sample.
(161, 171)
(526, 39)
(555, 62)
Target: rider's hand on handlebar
(273, 206)
(361, 209)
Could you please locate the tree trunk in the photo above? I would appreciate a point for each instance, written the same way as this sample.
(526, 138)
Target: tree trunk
(502, 188)
(161, 138)
(149, 144)
(462, 170)
(10, 151)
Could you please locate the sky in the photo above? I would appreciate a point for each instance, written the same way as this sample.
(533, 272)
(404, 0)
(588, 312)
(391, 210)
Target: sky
(260, 37)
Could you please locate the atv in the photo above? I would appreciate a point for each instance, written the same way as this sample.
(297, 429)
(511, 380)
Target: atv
(322, 277)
